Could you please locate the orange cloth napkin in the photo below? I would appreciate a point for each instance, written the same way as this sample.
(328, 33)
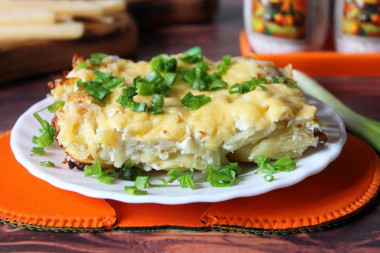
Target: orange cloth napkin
(344, 188)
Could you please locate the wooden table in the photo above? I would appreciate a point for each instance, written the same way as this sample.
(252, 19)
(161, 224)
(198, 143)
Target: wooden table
(217, 37)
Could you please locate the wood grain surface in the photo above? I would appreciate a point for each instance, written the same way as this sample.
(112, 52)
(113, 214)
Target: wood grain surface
(217, 37)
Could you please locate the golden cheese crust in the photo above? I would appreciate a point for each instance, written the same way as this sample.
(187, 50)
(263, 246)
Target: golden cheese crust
(238, 126)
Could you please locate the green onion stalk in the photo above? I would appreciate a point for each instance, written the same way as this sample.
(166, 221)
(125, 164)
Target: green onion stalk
(366, 128)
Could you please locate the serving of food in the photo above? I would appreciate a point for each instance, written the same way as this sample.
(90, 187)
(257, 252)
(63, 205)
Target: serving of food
(178, 114)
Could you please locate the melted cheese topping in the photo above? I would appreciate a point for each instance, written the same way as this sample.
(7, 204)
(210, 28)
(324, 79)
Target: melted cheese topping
(90, 130)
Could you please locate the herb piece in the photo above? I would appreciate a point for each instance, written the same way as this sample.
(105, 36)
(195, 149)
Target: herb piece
(284, 164)
(47, 164)
(184, 177)
(222, 175)
(194, 102)
(37, 151)
(169, 78)
(47, 132)
(132, 190)
(156, 104)
(101, 86)
(56, 106)
(82, 65)
(269, 178)
(126, 97)
(366, 128)
(285, 80)
(248, 86)
(97, 58)
(192, 55)
(138, 107)
(163, 63)
(129, 172)
(95, 169)
(141, 182)
(224, 64)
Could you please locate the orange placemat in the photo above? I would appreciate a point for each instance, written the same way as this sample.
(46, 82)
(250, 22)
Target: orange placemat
(320, 63)
(344, 188)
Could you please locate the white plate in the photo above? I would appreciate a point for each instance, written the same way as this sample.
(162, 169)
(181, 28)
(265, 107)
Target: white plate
(247, 184)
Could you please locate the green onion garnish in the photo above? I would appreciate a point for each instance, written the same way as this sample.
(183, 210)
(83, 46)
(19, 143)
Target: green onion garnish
(163, 63)
(155, 110)
(38, 150)
(101, 86)
(249, 86)
(47, 164)
(224, 64)
(184, 177)
(94, 169)
(195, 102)
(141, 182)
(132, 190)
(126, 97)
(56, 106)
(285, 80)
(82, 65)
(99, 56)
(284, 164)
(269, 178)
(129, 172)
(138, 107)
(169, 78)
(192, 55)
(222, 175)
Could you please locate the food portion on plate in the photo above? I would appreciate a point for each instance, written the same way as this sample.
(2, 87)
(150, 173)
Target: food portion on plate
(181, 111)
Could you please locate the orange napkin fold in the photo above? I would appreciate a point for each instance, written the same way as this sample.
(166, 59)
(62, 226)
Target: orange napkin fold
(344, 188)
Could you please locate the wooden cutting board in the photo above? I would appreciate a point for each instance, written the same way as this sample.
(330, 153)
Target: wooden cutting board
(159, 12)
(27, 58)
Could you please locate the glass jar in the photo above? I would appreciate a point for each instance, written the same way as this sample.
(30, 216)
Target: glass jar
(282, 26)
(357, 26)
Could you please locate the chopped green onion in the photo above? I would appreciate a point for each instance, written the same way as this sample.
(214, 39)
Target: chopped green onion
(218, 85)
(82, 65)
(141, 182)
(284, 164)
(56, 106)
(47, 164)
(192, 55)
(38, 151)
(269, 178)
(138, 107)
(126, 97)
(157, 100)
(195, 102)
(163, 63)
(155, 110)
(44, 140)
(169, 78)
(129, 172)
(103, 173)
(94, 61)
(107, 179)
(224, 64)
(184, 177)
(285, 80)
(248, 86)
(101, 76)
(144, 88)
(96, 91)
(94, 169)
(222, 175)
(364, 127)
(154, 77)
(99, 56)
(113, 83)
(132, 190)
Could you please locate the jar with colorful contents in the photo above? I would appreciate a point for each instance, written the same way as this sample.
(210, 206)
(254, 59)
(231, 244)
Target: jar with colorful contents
(281, 26)
(357, 26)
